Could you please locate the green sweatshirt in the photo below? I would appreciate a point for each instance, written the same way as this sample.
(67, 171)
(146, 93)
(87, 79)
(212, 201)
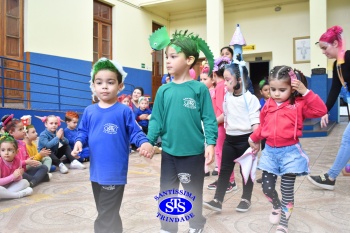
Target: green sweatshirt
(177, 114)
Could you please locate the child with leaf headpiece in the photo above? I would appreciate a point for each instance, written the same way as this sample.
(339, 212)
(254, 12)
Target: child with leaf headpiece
(178, 110)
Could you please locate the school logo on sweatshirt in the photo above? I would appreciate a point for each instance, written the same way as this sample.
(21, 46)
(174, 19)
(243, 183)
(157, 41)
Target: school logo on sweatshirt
(110, 128)
(189, 103)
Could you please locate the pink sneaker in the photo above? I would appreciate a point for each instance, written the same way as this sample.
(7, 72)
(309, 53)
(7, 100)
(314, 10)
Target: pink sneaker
(281, 229)
(275, 216)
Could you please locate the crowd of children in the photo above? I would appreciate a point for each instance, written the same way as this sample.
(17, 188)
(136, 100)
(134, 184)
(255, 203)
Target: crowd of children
(218, 115)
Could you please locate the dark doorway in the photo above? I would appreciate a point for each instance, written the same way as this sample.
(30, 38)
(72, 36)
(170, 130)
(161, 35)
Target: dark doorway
(257, 71)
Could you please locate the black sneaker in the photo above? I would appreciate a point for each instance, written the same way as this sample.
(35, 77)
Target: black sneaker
(322, 181)
(243, 206)
(207, 174)
(192, 230)
(259, 180)
(214, 173)
(231, 187)
(212, 186)
(213, 205)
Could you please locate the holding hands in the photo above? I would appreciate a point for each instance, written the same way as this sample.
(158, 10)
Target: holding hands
(32, 162)
(146, 150)
(255, 146)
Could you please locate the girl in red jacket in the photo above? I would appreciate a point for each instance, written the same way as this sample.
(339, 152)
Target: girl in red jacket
(281, 124)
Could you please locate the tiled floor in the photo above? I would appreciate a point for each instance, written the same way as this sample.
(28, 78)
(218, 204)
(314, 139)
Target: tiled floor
(65, 204)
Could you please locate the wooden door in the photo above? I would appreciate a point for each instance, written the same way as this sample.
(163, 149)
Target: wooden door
(11, 46)
(157, 66)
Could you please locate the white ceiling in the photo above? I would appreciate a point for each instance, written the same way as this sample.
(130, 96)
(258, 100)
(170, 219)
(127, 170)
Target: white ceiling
(173, 9)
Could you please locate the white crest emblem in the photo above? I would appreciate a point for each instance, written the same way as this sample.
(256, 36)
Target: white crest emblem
(110, 128)
(184, 178)
(190, 103)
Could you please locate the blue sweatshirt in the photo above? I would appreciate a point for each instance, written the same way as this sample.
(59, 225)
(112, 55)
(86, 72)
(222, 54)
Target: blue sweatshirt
(49, 140)
(139, 112)
(108, 132)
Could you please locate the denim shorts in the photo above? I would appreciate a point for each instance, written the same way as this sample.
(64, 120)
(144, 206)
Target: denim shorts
(284, 160)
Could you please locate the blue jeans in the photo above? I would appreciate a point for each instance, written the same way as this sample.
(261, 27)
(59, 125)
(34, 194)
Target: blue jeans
(343, 155)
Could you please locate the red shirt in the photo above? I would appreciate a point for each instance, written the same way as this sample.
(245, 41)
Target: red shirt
(282, 125)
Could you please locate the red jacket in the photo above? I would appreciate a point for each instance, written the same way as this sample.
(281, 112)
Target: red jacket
(282, 125)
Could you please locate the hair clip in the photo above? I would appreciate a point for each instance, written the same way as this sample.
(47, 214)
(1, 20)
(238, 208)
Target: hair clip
(8, 119)
(44, 119)
(292, 75)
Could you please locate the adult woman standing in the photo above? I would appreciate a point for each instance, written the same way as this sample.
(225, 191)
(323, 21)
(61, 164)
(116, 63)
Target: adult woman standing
(333, 46)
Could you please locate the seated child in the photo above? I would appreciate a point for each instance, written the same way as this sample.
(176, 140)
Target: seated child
(12, 184)
(143, 114)
(34, 171)
(44, 155)
(125, 99)
(71, 133)
(51, 138)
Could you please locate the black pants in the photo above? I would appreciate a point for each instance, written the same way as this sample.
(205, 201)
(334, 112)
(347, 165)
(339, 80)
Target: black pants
(35, 175)
(234, 147)
(189, 170)
(63, 150)
(108, 199)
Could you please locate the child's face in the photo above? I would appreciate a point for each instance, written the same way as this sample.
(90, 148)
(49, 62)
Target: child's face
(206, 80)
(72, 124)
(226, 53)
(7, 151)
(265, 91)
(126, 101)
(18, 133)
(143, 104)
(176, 63)
(106, 86)
(32, 134)
(230, 81)
(51, 124)
(280, 90)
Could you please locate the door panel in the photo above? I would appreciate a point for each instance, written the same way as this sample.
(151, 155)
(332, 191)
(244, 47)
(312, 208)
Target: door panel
(11, 39)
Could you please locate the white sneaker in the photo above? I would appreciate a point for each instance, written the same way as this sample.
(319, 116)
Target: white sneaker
(63, 168)
(50, 175)
(76, 165)
(25, 192)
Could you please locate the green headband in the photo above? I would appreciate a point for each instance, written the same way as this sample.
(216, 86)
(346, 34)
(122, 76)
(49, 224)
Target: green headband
(105, 64)
(189, 44)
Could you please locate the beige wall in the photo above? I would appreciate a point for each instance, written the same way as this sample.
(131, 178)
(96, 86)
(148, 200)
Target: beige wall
(67, 31)
(273, 32)
(58, 30)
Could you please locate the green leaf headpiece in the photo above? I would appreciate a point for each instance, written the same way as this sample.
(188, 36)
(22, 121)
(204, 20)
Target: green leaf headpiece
(188, 43)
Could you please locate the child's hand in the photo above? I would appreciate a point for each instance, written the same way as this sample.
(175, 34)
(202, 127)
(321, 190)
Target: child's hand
(18, 173)
(298, 86)
(143, 116)
(146, 150)
(45, 152)
(209, 154)
(78, 147)
(32, 162)
(255, 146)
(59, 133)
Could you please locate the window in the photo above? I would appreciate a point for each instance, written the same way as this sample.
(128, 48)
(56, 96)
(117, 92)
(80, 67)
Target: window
(102, 31)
